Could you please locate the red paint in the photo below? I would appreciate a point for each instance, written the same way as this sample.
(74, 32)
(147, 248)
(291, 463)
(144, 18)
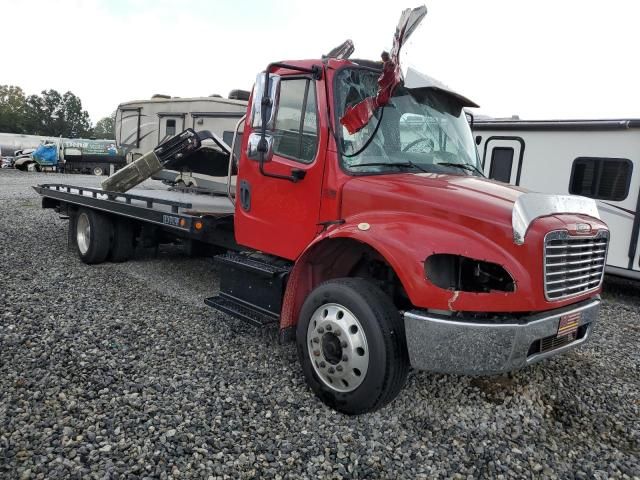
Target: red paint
(411, 216)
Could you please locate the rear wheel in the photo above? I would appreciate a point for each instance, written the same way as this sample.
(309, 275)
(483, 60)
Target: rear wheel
(351, 345)
(98, 171)
(93, 232)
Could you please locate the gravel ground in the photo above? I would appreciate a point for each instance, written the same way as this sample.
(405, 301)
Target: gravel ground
(120, 371)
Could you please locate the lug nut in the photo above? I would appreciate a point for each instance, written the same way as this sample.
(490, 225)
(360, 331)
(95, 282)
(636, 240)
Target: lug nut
(316, 353)
(343, 344)
(321, 330)
(339, 368)
(332, 370)
(338, 332)
(322, 364)
(328, 328)
(316, 340)
(345, 358)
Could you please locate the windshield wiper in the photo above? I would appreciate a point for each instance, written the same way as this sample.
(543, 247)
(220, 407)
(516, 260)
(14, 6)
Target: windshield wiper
(465, 166)
(384, 164)
(406, 164)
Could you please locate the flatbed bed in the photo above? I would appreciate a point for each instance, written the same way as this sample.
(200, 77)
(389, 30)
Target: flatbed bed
(205, 217)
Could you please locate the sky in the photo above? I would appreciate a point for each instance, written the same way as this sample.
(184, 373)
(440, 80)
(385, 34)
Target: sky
(539, 59)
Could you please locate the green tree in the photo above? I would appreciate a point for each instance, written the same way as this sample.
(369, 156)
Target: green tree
(12, 101)
(34, 119)
(75, 120)
(56, 115)
(106, 127)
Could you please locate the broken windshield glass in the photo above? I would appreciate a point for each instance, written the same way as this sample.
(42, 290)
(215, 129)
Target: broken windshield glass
(426, 128)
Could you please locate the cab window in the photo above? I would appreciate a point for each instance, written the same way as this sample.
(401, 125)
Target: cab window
(296, 127)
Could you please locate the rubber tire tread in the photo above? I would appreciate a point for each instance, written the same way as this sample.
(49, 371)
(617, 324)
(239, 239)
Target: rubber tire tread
(122, 247)
(391, 328)
(102, 229)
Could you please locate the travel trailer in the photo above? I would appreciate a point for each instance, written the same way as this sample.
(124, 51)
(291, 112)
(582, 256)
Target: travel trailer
(142, 125)
(593, 158)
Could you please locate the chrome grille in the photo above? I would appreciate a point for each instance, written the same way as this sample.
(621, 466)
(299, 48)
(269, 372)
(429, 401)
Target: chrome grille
(573, 264)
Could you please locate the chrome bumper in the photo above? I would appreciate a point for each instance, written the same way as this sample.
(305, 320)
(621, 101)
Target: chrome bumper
(442, 344)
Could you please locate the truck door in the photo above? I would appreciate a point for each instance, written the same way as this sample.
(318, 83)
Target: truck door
(169, 124)
(276, 215)
(502, 159)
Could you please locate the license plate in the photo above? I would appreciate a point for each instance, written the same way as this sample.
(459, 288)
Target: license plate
(569, 323)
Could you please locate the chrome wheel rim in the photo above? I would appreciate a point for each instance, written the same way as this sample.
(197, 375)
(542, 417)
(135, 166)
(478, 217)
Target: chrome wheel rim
(97, 171)
(83, 233)
(338, 347)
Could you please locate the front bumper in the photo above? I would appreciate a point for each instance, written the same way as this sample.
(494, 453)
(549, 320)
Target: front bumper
(467, 346)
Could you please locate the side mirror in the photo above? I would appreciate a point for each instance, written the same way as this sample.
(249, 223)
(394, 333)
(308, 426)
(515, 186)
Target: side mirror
(255, 145)
(268, 103)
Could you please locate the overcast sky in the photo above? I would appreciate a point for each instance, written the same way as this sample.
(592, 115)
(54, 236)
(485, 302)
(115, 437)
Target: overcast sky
(534, 58)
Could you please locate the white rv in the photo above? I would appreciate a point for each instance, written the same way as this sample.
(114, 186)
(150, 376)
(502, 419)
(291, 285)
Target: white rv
(141, 125)
(594, 158)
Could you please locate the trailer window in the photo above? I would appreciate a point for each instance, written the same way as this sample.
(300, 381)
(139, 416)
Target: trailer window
(296, 129)
(171, 128)
(501, 163)
(601, 178)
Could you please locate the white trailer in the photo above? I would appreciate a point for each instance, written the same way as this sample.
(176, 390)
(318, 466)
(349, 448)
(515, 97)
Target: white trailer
(10, 142)
(593, 158)
(143, 124)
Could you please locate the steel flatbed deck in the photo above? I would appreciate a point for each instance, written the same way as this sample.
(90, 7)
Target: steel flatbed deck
(203, 217)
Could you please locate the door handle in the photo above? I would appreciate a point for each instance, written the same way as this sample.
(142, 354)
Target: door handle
(245, 195)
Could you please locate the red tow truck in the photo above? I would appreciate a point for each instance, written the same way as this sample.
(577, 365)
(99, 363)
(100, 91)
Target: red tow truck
(361, 223)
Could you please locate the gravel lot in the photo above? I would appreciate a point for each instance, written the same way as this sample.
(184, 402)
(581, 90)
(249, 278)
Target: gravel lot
(120, 371)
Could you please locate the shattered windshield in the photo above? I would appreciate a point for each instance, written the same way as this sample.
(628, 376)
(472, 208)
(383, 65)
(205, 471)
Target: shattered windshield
(423, 131)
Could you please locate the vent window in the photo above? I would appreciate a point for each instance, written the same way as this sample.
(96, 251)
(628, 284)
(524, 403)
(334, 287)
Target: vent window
(601, 178)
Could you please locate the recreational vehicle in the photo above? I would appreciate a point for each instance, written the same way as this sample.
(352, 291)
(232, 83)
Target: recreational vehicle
(143, 124)
(593, 158)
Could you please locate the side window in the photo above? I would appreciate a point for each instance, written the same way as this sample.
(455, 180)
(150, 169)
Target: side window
(501, 163)
(601, 178)
(296, 126)
(171, 128)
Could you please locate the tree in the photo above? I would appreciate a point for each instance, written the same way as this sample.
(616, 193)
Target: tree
(11, 109)
(49, 113)
(75, 120)
(33, 119)
(106, 127)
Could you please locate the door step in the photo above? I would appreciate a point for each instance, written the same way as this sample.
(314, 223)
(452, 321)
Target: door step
(254, 265)
(241, 310)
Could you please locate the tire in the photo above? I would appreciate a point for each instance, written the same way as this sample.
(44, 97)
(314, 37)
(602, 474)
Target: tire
(97, 171)
(93, 236)
(369, 369)
(122, 245)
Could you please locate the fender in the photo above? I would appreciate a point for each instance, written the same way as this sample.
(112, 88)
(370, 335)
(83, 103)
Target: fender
(405, 240)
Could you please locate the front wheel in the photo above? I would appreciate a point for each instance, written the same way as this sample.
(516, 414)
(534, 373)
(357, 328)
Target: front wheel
(351, 345)
(98, 171)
